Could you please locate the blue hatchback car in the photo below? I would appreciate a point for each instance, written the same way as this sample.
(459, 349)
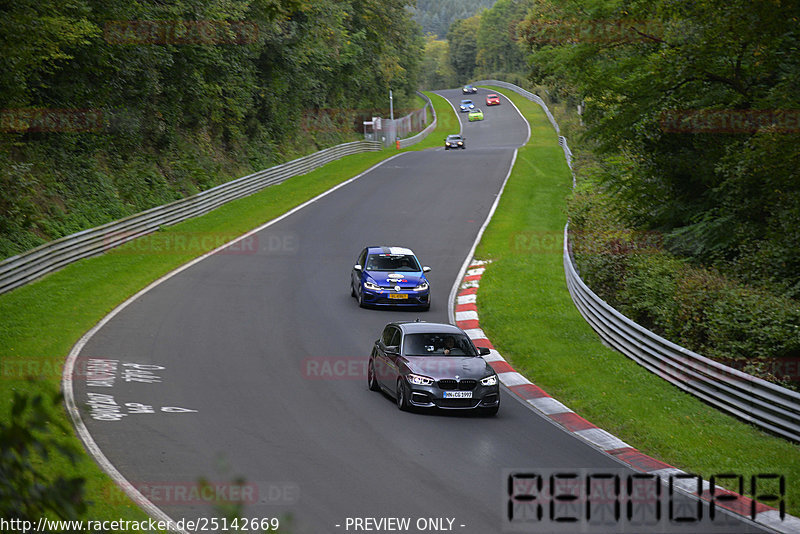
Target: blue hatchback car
(390, 276)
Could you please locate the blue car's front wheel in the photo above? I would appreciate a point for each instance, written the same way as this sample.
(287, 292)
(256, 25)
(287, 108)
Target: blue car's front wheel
(361, 299)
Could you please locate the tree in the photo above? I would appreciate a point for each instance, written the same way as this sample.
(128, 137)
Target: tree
(500, 49)
(29, 438)
(462, 38)
(436, 70)
(654, 76)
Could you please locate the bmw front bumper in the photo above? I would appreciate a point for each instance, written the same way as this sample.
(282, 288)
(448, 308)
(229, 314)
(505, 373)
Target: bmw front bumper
(434, 396)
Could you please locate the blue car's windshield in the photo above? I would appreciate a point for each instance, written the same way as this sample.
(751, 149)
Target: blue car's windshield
(393, 262)
(438, 345)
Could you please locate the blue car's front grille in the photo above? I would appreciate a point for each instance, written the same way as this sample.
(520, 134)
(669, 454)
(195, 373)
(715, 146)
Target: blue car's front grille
(398, 302)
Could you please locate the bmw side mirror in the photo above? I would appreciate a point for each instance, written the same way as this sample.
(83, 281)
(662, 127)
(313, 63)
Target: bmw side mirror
(426, 269)
(483, 351)
(357, 267)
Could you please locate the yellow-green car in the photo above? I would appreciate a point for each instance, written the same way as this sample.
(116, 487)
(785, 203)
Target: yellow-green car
(475, 115)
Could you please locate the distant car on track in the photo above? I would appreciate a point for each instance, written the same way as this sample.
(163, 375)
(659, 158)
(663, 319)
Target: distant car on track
(475, 115)
(454, 141)
(469, 89)
(390, 276)
(433, 365)
(492, 100)
(466, 105)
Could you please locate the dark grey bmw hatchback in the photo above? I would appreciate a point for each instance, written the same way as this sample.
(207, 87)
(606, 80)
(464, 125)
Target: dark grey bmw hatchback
(433, 365)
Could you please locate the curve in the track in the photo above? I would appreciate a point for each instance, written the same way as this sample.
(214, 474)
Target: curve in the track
(266, 351)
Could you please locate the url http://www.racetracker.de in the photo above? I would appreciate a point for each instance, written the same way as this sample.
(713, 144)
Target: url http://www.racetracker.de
(209, 524)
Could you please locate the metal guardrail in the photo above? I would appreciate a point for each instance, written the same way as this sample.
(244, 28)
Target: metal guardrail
(747, 397)
(19, 270)
(769, 406)
(23, 268)
(405, 143)
(526, 94)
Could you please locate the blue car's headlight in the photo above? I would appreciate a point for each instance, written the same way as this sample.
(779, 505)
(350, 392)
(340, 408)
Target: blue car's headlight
(422, 287)
(371, 286)
(419, 380)
(489, 381)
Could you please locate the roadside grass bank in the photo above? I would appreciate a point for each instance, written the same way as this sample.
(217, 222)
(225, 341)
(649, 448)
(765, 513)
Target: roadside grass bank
(43, 320)
(447, 123)
(526, 311)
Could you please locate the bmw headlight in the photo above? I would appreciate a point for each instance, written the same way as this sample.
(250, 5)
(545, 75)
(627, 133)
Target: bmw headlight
(419, 380)
(489, 381)
(371, 286)
(422, 287)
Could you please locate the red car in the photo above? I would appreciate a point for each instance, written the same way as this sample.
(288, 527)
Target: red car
(492, 100)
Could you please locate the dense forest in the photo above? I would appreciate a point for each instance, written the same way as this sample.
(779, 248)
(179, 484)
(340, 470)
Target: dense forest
(687, 216)
(436, 16)
(687, 212)
(486, 44)
(691, 110)
(109, 107)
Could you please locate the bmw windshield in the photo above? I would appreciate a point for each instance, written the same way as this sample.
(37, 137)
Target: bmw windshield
(438, 345)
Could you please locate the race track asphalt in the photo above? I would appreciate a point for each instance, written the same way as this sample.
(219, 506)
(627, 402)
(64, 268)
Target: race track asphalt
(267, 350)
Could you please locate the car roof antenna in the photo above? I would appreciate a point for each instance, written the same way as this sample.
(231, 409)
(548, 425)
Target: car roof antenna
(417, 320)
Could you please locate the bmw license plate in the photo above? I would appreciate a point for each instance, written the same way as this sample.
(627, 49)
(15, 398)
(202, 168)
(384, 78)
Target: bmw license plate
(457, 394)
(398, 296)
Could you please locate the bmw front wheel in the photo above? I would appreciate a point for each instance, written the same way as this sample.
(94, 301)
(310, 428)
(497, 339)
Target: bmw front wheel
(371, 378)
(402, 398)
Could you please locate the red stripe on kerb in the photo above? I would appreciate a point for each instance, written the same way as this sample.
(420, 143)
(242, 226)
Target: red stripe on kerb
(501, 367)
(641, 461)
(529, 391)
(483, 342)
(572, 421)
(468, 324)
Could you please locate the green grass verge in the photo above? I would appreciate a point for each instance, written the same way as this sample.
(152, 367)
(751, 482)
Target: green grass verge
(527, 312)
(446, 123)
(43, 320)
